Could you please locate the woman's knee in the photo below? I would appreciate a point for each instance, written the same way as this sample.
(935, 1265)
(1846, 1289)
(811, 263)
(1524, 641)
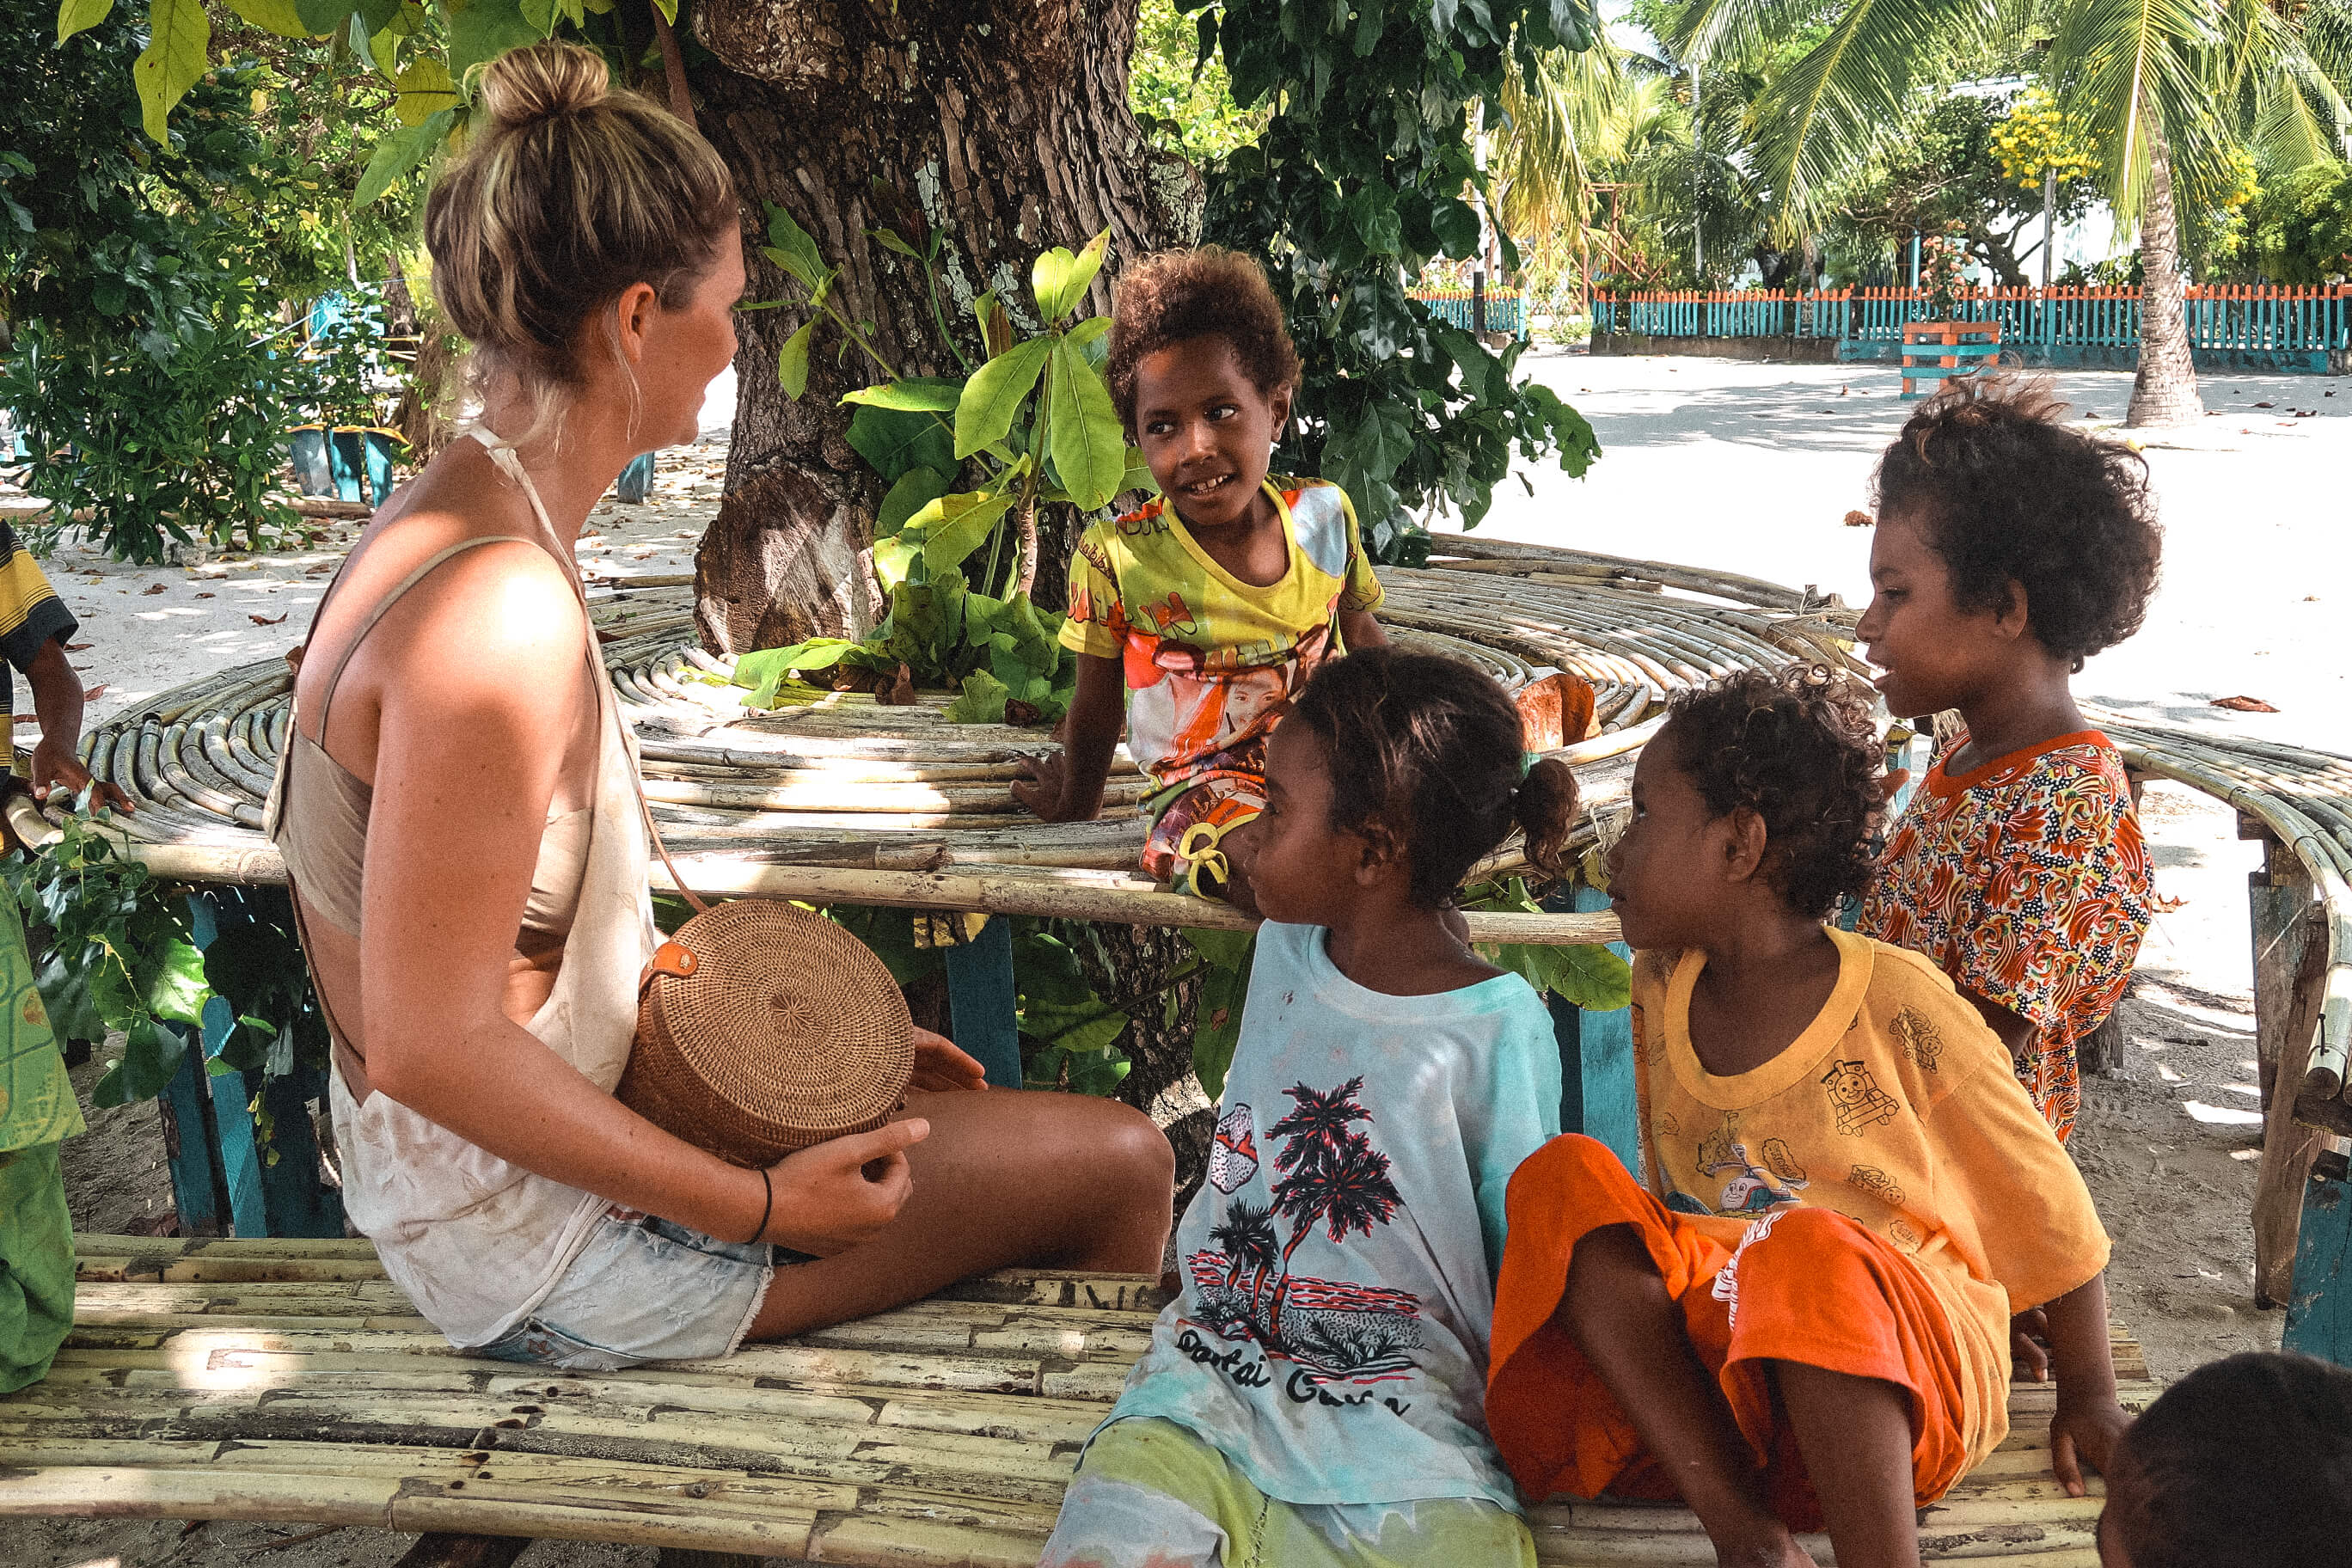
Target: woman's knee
(1134, 1147)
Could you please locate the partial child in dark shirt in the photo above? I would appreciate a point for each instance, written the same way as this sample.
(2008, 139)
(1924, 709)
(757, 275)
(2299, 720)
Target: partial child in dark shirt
(2244, 1463)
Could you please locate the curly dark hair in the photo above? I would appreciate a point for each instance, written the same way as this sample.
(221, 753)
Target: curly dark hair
(1797, 747)
(2007, 494)
(1432, 747)
(1180, 295)
(2246, 1461)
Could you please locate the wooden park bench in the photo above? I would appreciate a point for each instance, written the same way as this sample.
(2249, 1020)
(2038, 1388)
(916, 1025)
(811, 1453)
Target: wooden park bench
(288, 1381)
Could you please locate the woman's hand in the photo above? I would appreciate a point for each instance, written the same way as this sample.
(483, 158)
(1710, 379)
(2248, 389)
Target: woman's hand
(940, 1068)
(830, 1197)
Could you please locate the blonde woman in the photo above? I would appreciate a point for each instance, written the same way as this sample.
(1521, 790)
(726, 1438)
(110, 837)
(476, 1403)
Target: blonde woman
(457, 811)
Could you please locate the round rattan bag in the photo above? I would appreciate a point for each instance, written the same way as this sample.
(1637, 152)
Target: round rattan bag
(763, 1028)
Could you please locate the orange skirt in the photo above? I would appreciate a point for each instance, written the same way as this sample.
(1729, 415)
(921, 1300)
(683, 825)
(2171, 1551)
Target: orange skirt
(1806, 1285)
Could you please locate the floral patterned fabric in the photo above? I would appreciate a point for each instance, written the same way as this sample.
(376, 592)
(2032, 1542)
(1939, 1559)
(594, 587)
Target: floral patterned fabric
(2027, 881)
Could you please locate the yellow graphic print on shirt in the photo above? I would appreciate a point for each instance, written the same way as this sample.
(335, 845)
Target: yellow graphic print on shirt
(1209, 659)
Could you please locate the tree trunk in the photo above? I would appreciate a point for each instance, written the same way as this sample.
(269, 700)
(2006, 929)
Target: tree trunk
(1006, 126)
(2165, 390)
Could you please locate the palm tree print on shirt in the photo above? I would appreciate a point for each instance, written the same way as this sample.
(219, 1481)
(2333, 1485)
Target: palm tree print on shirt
(1334, 1179)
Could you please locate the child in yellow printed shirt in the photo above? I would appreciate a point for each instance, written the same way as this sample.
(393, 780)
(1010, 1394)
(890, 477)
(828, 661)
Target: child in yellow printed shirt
(1798, 1314)
(37, 1108)
(1199, 618)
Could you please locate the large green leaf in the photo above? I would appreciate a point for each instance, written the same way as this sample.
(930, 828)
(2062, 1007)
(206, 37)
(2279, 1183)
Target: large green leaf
(764, 669)
(79, 16)
(150, 1055)
(894, 441)
(793, 249)
(1222, 990)
(894, 558)
(324, 16)
(955, 526)
(915, 489)
(793, 359)
(178, 990)
(1060, 279)
(992, 398)
(1593, 978)
(398, 153)
(178, 36)
(424, 86)
(482, 30)
(913, 394)
(983, 701)
(1082, 429)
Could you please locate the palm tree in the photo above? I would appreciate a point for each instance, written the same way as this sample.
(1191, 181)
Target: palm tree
(2164, 88)
(1336, 1178)
(1245, 1236)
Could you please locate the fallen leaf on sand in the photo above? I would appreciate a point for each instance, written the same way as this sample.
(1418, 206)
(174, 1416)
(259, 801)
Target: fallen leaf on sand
(2245, 704)
(208, 596)
(94, 693)
(264, 620)
(153, 588)
(76, 647)
(2266, 405)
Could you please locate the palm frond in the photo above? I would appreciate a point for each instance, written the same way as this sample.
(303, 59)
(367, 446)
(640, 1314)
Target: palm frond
(1725, 31)
(2293, 109)
(2122, 63)
(1554, 112)
(1834, 106)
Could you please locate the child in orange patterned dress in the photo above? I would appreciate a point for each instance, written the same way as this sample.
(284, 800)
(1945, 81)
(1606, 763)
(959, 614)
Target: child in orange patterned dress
(2010, 549)
(1199, 617)
(1798, 1313)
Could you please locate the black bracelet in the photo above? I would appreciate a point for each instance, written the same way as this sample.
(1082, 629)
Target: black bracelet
(767, 1206)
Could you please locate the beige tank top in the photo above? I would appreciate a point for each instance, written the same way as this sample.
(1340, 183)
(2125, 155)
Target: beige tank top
(474, 1241)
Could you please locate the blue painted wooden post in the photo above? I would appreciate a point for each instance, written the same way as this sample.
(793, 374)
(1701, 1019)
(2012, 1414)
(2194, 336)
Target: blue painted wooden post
(2319, 1314)
(257, 1197)
(199, 1195)
(981, 1002)
(1596, 1060)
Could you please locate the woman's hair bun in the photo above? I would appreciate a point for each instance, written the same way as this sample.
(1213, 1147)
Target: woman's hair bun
(542, 81)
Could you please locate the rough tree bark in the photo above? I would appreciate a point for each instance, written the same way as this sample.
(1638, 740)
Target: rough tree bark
(1004, 123)
(2165, 390)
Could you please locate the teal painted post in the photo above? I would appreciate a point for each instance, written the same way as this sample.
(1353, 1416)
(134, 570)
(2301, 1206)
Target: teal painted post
(198, 1195)
(261, 1197)
(1596, 1060)
(2319, 1314)
(981, 1002)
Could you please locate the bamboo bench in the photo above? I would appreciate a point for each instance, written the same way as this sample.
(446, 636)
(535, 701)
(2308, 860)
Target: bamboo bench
(288, 1381)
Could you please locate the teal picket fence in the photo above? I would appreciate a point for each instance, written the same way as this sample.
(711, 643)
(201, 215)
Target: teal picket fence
(1507, 308)
(2253, 318)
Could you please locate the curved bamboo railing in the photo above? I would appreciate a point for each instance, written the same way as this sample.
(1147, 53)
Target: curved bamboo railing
(845, 799)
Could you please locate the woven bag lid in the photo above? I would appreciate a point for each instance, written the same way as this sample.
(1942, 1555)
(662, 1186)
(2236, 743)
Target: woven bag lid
(788, 1031)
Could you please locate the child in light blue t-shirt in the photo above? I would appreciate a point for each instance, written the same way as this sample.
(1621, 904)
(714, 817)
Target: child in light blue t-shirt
(1314, 1395)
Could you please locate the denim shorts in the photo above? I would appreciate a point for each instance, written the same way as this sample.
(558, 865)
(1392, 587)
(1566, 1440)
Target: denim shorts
(645, 1289)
